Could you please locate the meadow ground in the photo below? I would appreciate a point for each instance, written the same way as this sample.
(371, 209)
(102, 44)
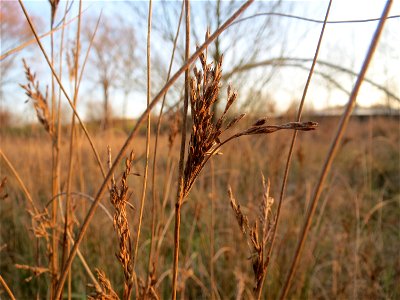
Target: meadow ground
(351, 252)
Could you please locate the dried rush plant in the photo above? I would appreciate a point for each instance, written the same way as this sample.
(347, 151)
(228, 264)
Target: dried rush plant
(119, 198)
(258, 239)
(206, 135)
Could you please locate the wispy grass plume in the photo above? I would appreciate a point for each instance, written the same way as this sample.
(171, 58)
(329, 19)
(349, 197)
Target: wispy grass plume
(258, 235)
(106, 292)
(39, 100)
(119, 198)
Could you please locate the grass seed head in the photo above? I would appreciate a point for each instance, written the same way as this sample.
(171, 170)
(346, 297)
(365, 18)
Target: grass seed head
(119, 199)
(106, 292)
(257, 238)
(204, 92)
(32, 90)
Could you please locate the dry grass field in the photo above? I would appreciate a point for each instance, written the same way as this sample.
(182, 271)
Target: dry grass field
(352, 252)
(197, 200)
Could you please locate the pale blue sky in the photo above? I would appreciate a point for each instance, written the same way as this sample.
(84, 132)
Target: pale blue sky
(344, 45)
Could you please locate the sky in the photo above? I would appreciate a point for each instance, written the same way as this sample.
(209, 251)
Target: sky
(344, 45)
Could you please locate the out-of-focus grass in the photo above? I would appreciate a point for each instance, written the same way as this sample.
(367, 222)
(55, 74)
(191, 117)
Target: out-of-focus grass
(352, 251)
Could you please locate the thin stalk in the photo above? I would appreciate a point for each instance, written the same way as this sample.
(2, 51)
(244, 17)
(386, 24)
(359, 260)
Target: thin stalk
(58, 131)
(76, 91)
(333, 149)
(85, 264)
(180, 196)
(59, 108)
(59, 100)
(6, 288)
(30, 200)
(309, 19)
(166, 191)
(153, 181)
(146, 167)
(30, 42)
(21, 183)
(54, 181)
(290, 154)
(212, 229)
(260, 288)
(189, 240)
(133, 133)
(87, 55)
(79, 253)
(86, 196)
(67, 222)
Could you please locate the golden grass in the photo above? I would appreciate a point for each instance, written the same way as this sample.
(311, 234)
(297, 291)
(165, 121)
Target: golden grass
(350, 253)
(366, 169)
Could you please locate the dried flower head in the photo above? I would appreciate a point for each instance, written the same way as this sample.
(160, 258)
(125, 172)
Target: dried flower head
(257, 238)
(106, 292)
(240, 217)
(32, 90)
(41, 225)
(119, 199)
(205, 139)
(205, 136)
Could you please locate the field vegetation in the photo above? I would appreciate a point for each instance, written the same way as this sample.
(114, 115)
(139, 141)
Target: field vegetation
(194, 199)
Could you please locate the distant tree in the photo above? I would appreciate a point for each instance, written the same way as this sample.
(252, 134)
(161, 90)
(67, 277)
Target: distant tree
(13, 31)
(112, 61)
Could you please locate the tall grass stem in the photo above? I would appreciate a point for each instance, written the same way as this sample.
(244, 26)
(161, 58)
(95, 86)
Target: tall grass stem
(180, 192)
(294, 136)
(154, 188)
(146, 167)
(333, 149)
